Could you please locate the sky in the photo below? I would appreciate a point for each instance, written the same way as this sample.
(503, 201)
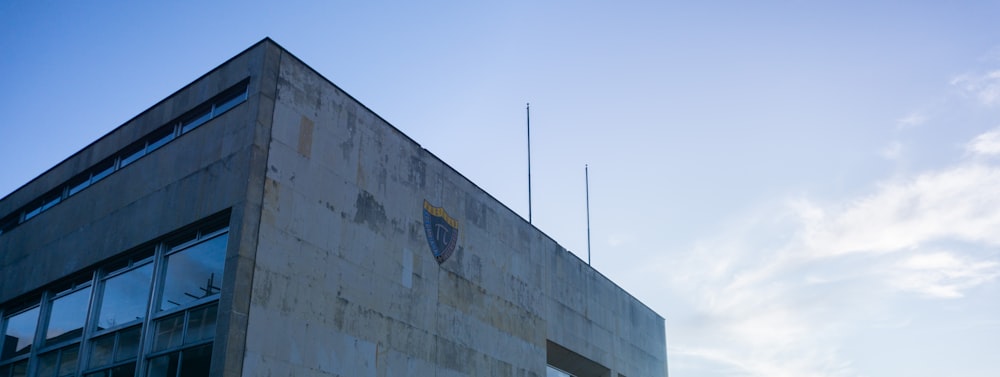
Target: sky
(798, 188)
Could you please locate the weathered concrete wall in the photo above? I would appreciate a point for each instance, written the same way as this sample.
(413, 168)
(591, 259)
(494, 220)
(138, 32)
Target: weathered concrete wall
(345, 284)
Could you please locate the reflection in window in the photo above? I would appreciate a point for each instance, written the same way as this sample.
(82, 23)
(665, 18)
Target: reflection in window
(20, 333)
(67, 316)
(59, 363)
(19, 369)
(196, 121)
(194, 273)
(51, 201)
(125, 297)
(168, 332)
(201, 324)
(160, 137)
(133, 153)
(101, 350)
(114, 349)
(124, 370)
(227, 104)
(103, 169)
(192, 362)
(78, 184)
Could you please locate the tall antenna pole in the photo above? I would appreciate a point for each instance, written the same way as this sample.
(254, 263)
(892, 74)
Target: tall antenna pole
(586, 177)
(528, 112)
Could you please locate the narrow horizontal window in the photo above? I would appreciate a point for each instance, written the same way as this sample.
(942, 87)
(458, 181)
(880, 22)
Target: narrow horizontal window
(196, 121)
(50, 202)
(160, 137)
(103, 169)
(132, 153)
(78, 184)
(32, 212)
(230, 103)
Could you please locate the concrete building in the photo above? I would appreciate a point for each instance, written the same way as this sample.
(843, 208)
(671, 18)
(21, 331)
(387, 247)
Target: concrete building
(261, 222)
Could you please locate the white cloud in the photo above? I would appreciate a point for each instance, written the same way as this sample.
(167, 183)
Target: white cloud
(911, 120)
(954, 203)
(777, 293)
(943, 274)
(984, 87)
(987, 144)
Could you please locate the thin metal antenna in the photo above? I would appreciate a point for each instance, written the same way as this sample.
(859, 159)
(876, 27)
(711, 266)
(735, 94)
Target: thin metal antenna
(586, 177)
(528, 112)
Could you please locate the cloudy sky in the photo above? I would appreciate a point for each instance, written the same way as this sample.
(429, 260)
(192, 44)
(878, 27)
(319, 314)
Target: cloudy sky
(799, 188)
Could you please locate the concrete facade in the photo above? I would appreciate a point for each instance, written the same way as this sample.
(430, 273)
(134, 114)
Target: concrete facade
(328, 269)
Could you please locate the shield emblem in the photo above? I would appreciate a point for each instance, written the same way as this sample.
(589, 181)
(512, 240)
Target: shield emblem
(441, 230)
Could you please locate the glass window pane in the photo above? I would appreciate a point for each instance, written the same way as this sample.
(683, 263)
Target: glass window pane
(51, 202)
(129, 158)
(78, 186)
(100, 350)
(196, 121)
(196, 361)
(201, 324)
(229, 103)
(19, 370)
(127, 370)
(67, 316)
(67, 363)
(168, 332)
(128, 344)
(160, 137)
(47, 364)
(164, 366)
(103, 169)
(32, 212)
(194, 273)
(20, 333)
(125, 297)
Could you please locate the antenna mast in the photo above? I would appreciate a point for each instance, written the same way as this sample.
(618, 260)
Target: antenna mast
(586, 177)
(528, 112)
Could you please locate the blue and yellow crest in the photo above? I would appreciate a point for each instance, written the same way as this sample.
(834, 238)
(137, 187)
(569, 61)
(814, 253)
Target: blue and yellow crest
(442, 232)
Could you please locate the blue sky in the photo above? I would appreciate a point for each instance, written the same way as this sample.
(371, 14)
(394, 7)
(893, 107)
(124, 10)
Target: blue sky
(800, 188)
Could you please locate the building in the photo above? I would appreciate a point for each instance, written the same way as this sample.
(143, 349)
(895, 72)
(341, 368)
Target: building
(261, 222)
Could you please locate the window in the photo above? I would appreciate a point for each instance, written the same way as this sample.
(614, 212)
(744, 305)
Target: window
(132, 153)
(99, 326)
(67, 316)
(59, 363)
(124, 298)
(102, 169)
(563, 362)
(19, 333)
(115, 354)
(193, 273)
(160, 137)
(228, 103)
(196, 120)
(78, 183)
